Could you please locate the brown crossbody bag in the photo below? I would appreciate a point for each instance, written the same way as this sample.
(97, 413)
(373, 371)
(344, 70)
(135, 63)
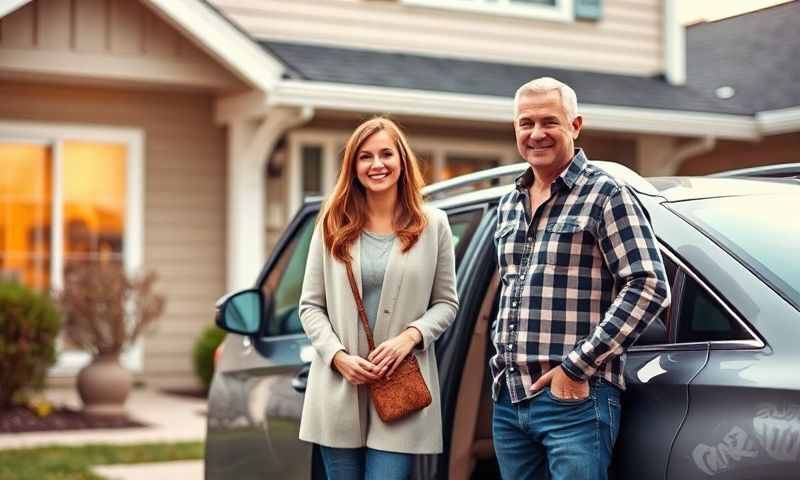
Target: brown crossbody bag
(405, 392)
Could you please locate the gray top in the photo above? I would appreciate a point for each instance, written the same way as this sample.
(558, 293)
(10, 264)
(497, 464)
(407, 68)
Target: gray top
(375, 251)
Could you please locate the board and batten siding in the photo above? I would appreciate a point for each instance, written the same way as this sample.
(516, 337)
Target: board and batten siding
(184, 211)
(107, 39)
(627, 39)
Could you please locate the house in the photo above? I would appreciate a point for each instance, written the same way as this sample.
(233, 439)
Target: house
(181, 135)
(749, 60)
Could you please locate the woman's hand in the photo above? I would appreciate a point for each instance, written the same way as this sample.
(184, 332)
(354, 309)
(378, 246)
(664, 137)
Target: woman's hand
(356, 370)
(388, 355)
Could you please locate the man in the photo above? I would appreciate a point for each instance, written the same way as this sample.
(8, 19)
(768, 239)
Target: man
(582, 277)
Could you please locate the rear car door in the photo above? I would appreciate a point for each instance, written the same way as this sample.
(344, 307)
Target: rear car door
(658, 369)
(744, 414)
(717, 438)
(656, 401)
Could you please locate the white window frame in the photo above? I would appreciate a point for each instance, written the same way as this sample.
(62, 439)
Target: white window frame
(562, 11)
(53, 134)
(329, 140)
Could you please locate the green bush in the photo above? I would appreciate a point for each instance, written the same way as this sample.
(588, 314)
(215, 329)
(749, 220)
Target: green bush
(203, 353)
(29, 325)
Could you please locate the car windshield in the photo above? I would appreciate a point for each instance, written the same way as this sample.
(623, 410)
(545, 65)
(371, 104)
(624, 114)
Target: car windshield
(762, 231)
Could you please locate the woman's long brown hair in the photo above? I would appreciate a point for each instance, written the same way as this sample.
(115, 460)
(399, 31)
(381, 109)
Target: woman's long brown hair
(345, 213)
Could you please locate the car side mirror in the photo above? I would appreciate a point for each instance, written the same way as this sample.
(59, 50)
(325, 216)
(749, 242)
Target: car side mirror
(240, 312)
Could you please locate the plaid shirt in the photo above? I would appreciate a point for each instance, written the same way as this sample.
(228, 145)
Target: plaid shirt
(581, 278)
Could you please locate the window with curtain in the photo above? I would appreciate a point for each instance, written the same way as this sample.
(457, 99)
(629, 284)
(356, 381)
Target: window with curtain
(26, 172)
(83, 185)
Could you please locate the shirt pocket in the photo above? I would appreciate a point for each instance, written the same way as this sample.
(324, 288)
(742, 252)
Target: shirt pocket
(568, 239)
(504, 241)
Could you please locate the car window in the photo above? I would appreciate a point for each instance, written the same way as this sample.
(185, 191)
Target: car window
(463, 225)
(703, 319)
(284, 283)
(657, 333)
(766, 243)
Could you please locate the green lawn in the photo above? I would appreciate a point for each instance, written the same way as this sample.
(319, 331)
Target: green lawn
(74, 463)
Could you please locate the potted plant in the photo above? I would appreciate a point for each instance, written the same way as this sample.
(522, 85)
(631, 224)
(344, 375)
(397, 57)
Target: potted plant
(105, 312)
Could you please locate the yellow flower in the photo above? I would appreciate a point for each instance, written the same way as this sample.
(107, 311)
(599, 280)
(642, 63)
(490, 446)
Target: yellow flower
(41, 407)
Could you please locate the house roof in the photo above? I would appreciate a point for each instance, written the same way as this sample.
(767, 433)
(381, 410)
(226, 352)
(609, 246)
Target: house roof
(755, 53)
(438, 74)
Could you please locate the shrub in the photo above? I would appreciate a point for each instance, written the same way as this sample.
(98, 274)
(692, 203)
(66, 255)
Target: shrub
(203, 354)
(29, 325)
(104, 309)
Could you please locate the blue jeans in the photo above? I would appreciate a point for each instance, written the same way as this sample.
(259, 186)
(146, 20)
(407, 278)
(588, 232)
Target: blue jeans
(365, 464)
(545, 437)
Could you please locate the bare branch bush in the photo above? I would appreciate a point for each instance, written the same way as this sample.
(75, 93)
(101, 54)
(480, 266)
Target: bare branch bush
(105, 311)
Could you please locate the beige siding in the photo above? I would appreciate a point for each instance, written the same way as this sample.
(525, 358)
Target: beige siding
(52, 32)
(108, 39)
(628, 39)
(184, 237)
(16, 29)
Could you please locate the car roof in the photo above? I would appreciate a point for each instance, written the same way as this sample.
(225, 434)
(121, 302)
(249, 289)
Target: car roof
(669, 189)
(676, 189)
(781, 170)
(456, 186)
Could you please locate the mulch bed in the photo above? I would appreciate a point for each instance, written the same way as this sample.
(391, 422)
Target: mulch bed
(22, 419)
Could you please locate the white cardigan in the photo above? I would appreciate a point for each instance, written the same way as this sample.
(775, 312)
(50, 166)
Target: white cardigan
(419, 290)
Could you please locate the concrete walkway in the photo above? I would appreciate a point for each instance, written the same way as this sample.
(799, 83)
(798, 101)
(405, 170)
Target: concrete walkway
(170, 418)
(186, 470)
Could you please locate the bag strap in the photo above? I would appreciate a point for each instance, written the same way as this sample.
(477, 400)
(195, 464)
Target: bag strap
(362, 312)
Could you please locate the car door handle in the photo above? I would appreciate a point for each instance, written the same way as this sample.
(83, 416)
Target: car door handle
(300, 380)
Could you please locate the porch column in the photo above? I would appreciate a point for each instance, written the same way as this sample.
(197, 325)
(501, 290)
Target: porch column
(250, 143)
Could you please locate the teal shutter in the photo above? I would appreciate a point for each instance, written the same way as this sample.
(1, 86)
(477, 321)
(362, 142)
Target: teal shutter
(588, 9)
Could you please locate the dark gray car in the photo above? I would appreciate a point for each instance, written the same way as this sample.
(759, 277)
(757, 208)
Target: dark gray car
(713, 384)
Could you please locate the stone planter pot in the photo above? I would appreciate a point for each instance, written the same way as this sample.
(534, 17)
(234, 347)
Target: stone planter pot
(103, 386)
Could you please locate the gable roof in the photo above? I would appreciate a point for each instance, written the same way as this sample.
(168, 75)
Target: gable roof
(437, 74)
(208, 28)
(755, 53)
(10, 5)
(221, 39)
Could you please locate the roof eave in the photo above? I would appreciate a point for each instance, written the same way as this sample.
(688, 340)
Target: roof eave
(361, 98)
(9, 6)
(774, 122)
(225, 43)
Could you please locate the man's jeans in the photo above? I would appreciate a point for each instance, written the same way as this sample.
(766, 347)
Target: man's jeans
(569, 439)
(365, 464)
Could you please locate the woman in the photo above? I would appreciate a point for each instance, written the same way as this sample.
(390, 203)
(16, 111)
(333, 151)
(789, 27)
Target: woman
(402, 257)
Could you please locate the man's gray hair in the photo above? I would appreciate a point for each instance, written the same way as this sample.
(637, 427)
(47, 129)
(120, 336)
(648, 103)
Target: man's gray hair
(546, 84)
